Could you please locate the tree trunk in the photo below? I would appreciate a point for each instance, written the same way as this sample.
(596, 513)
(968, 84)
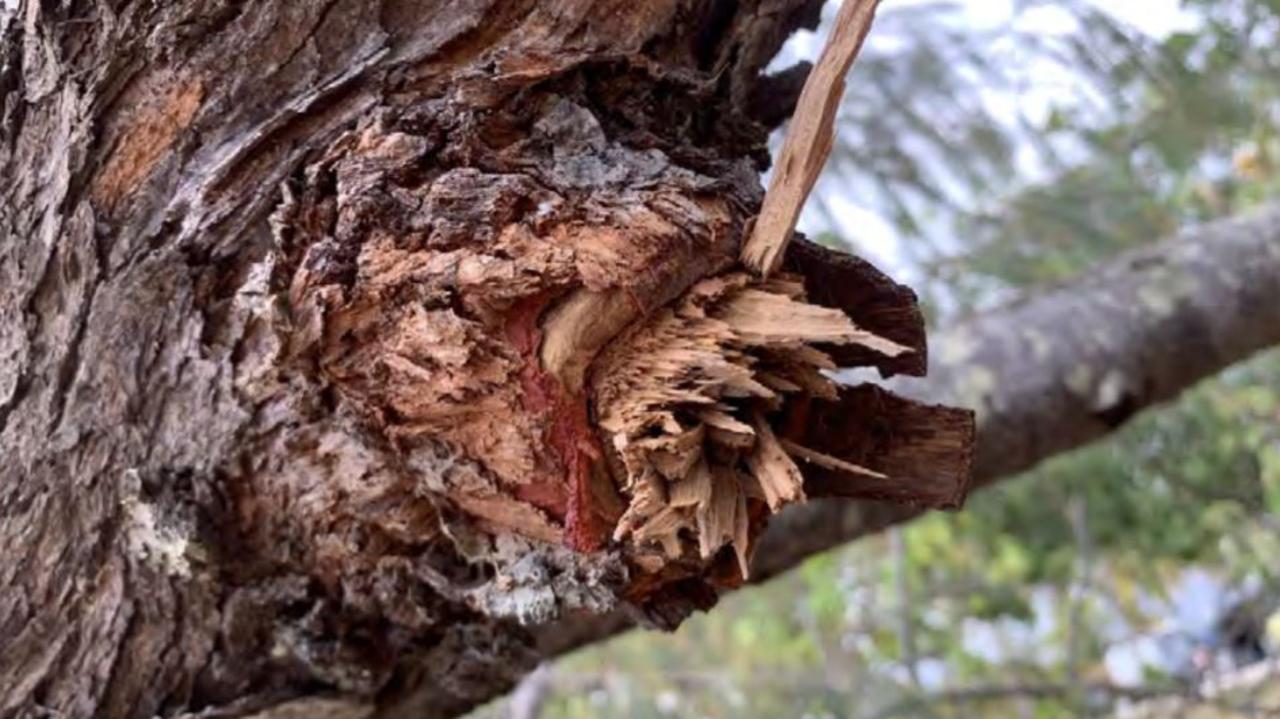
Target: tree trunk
(349, 349)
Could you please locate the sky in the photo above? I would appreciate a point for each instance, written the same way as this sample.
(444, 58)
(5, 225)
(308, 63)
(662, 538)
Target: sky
(1155, 17)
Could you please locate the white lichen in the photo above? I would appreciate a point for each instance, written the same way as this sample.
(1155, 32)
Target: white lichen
(149, 539)
(534, 582)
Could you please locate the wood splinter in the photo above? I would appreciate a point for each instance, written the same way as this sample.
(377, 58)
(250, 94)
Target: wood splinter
(809, 139)
(698, 406)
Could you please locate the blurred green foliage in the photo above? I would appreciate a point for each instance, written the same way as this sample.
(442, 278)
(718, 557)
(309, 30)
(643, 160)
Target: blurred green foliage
(1039, 577)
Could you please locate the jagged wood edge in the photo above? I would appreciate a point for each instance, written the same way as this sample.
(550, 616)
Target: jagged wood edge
(924, 451)
(809, 139)
(876, 302)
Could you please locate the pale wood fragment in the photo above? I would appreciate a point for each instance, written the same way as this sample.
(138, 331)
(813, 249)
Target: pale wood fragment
(674, 455)
(578, 327)
(742, 534)
(695, 489)
(731, 440)
(664, 528)
(716, 524)
(808, 140)
(778, 475)
(722, 420)
(765, 318)
(649, 496)
(825, 460)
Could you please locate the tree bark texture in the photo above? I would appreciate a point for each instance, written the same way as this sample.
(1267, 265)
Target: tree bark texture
(350, 350)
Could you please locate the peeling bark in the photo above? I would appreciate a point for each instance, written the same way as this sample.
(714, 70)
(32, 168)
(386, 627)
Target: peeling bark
(349, 349)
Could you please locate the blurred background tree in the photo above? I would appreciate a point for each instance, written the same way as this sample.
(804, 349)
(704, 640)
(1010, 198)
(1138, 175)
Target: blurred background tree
(986, 150)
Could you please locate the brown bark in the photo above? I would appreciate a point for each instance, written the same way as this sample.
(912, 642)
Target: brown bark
(349, 349)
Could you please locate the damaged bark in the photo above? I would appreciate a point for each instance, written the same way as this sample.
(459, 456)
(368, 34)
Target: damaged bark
(347, 347)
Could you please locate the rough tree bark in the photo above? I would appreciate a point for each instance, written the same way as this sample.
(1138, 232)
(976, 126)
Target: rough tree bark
(349, 349)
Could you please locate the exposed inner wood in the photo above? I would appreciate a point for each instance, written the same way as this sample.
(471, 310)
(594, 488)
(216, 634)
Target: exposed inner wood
(685, 402)
(608, 376)
(579, 327)
(462, 307)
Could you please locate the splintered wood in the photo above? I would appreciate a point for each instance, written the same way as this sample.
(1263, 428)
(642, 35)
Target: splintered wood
(808, 140)
(685, 400)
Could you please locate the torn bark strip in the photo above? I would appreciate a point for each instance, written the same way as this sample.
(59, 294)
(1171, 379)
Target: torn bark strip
(809, 138)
